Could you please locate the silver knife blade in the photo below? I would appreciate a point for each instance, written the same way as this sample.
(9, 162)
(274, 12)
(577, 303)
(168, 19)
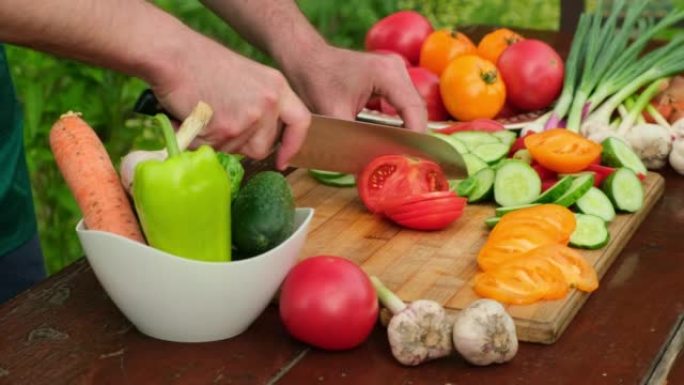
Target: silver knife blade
(347, 146)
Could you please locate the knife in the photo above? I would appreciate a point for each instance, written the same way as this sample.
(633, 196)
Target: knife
(347, 146)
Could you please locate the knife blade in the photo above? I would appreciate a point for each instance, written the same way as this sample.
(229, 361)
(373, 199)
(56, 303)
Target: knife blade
(347, 146)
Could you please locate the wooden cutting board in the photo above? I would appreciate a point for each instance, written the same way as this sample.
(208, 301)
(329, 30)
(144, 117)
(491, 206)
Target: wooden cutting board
(441, 265)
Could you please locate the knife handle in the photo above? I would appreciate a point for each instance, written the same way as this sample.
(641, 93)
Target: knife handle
(148, 104)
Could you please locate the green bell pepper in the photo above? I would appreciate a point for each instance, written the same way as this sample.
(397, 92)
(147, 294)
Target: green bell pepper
(183, 202)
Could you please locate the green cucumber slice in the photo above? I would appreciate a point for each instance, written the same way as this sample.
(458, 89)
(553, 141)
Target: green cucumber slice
(506, 137)
(473, 164)
(524, 155)
(624, 189)
(455, 143)
(484, 185)
(516, 183)
(474, 139)
(590, 233)
(492, 221)
(617, 153)
(331, 178)
(466, 187)
(556, 191)
(596, 202)
(500, 211)
(580, 185)
(491, 152)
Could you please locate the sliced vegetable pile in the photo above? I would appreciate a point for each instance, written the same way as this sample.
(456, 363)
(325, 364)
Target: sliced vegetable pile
(464, 81)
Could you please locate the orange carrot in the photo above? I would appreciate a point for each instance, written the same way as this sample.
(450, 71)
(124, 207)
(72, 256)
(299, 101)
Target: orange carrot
(91, 177)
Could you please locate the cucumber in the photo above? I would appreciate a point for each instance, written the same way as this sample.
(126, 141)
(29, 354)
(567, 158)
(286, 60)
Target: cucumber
(516, 183)
(524, 155)
(336, 179)
(500, 211)
(624, 189)
(263, 214)
(455, 143)
(492, 221)
(491, 152)
(506, 137)
(595, 202)
(474, 139)
(473, 163)
(466, 187)
(617, 153)
(580, 185)
(556, 191)
(590, 233)
(484, 185)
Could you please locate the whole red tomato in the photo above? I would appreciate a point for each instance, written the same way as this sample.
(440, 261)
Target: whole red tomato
(402, 32)
(328, 302)
(393, 176)
(533, 73)
(427, 85)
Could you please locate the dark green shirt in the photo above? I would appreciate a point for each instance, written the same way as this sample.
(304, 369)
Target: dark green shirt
(17, 218)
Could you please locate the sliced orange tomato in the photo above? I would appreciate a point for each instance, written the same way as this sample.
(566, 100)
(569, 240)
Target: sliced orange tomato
(558, 217)
(562, 150)
(443, 46)
(510, 245)
(492, 45)
(522, 281)
(576, 270)
(472, 88)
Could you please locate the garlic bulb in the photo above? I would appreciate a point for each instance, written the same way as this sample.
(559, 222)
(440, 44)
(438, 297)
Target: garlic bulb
(677, 156)
(484, 333)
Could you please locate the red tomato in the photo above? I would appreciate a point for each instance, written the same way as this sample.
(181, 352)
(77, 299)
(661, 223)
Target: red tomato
(328, 302)
(485, 125)
(427, 85)
(402, 32)
(428, 211)
(533, 73)
(600, 173)
(393, 176)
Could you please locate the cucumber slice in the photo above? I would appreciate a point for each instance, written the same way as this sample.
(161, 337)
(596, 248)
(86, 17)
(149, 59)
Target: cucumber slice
(523, 155)
(506, 137)
(492, 221)
(453, 184)
(596, 202)
(466, 187)
(590, 233)
(516, 183)
(330, 178)
(617, 153)
(580, 185)
(484, 185)
(455, 143)
(491, 152)
(500, 211)
(474, 139)
(624, 189)
(556, 191)
(473, 164)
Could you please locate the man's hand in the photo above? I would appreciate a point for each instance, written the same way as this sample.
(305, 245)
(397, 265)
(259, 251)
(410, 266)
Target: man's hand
(250, 101)
(339, 82)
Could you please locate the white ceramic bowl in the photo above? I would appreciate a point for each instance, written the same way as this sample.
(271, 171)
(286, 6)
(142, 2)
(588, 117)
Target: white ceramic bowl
(182, 300)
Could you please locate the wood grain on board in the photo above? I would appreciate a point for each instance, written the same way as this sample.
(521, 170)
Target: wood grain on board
(441, 265)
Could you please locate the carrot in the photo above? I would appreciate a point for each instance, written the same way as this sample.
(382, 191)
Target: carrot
(91, 177)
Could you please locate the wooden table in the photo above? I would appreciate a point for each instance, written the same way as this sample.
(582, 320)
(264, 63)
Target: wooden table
(65, 330)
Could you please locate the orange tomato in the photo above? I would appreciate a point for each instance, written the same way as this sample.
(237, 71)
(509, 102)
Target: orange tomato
(576, 270)
(560, 219)
(522, 281)
(472, 88)
(441, 47)
(493, 44)
(562, 150)
(511, 244)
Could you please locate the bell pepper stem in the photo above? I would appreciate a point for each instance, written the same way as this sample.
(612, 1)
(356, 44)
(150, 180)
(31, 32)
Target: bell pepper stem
(169, 135)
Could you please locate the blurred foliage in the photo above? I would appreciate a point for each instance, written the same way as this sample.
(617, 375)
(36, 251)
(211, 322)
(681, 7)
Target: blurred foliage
(49, 86)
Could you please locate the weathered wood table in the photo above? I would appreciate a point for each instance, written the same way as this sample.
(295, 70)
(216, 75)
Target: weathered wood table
(65, 330)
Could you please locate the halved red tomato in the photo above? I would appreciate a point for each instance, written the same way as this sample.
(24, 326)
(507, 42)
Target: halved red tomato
(396, 176)
(427, 211)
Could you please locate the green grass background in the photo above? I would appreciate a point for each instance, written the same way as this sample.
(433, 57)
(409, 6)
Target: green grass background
(48, 86)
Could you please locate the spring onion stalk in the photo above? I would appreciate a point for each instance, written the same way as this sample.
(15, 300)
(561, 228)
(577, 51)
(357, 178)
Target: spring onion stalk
(657, 116)
(637, 106)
